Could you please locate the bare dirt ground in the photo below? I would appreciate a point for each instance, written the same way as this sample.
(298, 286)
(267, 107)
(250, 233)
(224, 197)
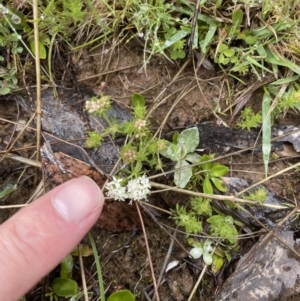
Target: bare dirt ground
(178, 95)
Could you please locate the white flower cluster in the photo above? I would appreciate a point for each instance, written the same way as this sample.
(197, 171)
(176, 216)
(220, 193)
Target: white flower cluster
(96, 104)
(136, 189)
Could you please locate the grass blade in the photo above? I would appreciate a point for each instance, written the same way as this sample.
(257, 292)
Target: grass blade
(266, 128)
(99, 272)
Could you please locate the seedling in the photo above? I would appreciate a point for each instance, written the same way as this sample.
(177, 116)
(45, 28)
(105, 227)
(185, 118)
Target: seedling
(182, 151)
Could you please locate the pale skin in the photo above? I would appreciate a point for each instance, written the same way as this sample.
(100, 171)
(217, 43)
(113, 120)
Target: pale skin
(38, 237)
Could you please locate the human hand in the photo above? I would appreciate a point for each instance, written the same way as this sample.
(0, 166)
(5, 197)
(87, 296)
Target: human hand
(37, 238)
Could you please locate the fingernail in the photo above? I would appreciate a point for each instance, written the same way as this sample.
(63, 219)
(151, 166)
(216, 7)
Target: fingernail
(77, 199)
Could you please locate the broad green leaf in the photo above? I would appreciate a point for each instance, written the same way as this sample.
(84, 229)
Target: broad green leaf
(66, 267)
(42, 49)
(237, 17)
(250, 40)
(229, 52)
(4, 91)
(7, 189)
(208, 38)
(219, 184)
(266, 128)
(138, 100)
(207, 186)
(122, 295)
(218, 171)
(206, 165)
(173, 152)
(217, 263)
(64, 287)
(182, 176)
(189, 138)
(193, 158)
(222, 47)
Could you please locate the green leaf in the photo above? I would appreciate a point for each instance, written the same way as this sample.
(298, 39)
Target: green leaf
(64, 287)
(193, 158)
(218, 171)
(254, 62)
(138, 100)
(250, 40)
(222, 47)
(229, 52)
(42, 49)
(284, 62)
(266, 128)
(208, 38)
(189, 138)
(179, 35)
(175, 137)
(217, 263)
(219, 184)
(7, 189)
(85, 251)
(206, 165)
(122, 295)
(4, 91)
(173, 152)
(207, 187)
(237, 17)
(182, 176)
(66, 267)
(261, 51)
(286, 80)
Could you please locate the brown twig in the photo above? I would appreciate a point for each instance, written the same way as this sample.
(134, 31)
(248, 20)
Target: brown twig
(38, 82)
(148, 251)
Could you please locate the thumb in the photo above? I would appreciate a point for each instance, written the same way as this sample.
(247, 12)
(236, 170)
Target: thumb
(38, 237)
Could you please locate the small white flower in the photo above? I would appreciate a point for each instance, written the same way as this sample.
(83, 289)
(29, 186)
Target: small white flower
(115, 190)
(137, 189)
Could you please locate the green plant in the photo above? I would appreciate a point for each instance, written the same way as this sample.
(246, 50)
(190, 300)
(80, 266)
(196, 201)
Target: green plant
(182, 151)
(7, 189)
(223, 228)
(65, 286)
(122, 295)
(142, 148)
(258, 195)
(207, 175)
(249, 119)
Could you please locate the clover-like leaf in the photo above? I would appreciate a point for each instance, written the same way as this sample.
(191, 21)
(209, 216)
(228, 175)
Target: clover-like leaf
(182, 176)
(138, 99)
(196, 252)
(174, 152)
(207, 187)
(193, 158)
(217, 263)
(189, 138)
(122, 295)
(63, 287)
(219, 184)
(66, 267)
(218, 171)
